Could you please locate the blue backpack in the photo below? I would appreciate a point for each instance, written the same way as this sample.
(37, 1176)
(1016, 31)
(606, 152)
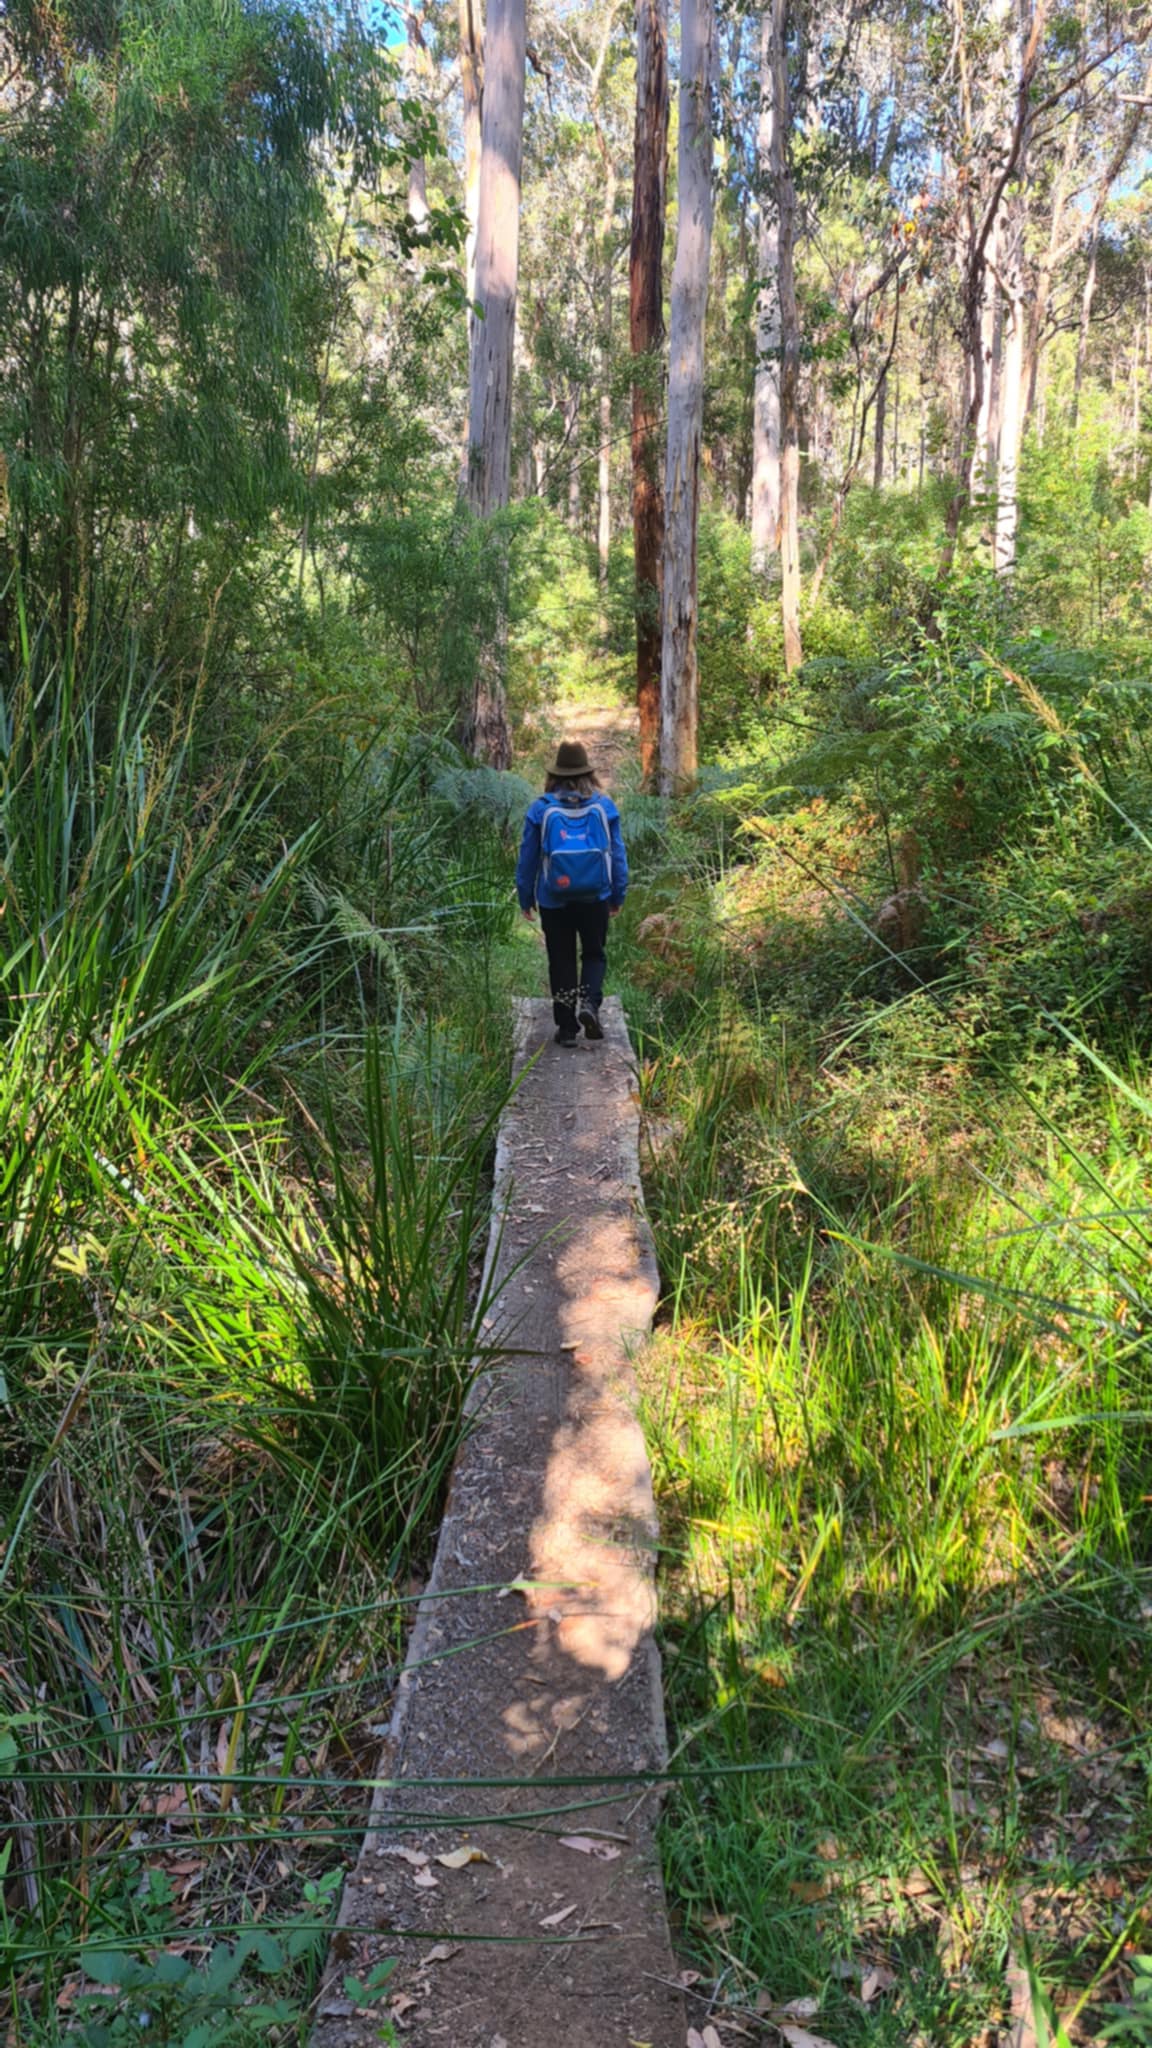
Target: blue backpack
(576, 851)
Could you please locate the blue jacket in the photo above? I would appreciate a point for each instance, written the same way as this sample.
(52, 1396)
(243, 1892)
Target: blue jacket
(531, 887)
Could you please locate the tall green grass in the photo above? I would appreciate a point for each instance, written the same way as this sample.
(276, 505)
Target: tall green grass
(900, 1411)
(246, 1111)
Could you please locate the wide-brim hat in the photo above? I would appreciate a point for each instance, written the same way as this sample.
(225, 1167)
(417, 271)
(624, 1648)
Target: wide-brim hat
(571, 759)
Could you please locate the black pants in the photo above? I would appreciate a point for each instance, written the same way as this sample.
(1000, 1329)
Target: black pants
(575, 988)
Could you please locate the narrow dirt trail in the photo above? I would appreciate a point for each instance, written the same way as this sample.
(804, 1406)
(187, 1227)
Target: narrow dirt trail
(610, 731)
(532, 1683)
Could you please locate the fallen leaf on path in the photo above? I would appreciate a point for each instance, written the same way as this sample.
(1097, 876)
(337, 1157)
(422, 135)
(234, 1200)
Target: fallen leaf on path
(555, 1919)
(455, 1859)
(708, 2039)
(799, 2037)
(605, 1851)
(798, 2009)
(426, 1881)
(875, 1982)
(443, 1952)
(417, 1857)
(400, 2004)
(1023, 2034)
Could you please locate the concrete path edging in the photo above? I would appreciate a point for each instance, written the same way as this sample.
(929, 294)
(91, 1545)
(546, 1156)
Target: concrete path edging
(521, 1900)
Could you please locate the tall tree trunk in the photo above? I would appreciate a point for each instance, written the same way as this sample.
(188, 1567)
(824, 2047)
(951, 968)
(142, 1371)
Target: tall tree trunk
(646, 334)
(686, 396)
(493, 339)
(974, 270)
(1086, 298)
(418, 68)
(1130, 128)
(1011, 379)
(878, 433)
(784, 191)
(1053, 255)
(994, 409)
(984, 452)
(766, 328)
(1011, 427)
(471, 87)
(575, 480)
(604, 453)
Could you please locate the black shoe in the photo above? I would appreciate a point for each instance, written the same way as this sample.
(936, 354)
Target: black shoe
(593, 1028)
(567, 1037)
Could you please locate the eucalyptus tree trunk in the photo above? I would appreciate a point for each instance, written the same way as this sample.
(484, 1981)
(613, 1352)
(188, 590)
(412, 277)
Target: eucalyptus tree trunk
(575, 493)
(678, 671)
(1011, 391)
(471, 88)
(784, 192)
(1012, 397)
(985, 440)
(493, 339)
(1129, 130)
(878, 433)
(418, 68)
(646, 335)
(766, 327)
(1054, 253)
(1086, 298)
(604, 452)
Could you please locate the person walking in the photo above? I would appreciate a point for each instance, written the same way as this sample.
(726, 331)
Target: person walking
(574, 869)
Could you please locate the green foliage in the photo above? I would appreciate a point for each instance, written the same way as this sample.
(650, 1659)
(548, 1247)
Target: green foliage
(1131, 2025)
(891, 973)
(210, 2004)
(237, 1312)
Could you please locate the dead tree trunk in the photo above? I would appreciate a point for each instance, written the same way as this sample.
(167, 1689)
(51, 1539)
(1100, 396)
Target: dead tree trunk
(686, 396)
(493, 338)
(646, 334)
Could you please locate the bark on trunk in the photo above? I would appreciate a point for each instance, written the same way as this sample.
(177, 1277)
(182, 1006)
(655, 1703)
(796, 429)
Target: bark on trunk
(1037, 315)
(878, 433)
(785, 195)
(418, 68)
(1011, 429)
(1112, 170)
(974, 271)
(471, 86)
(604, 455)
(766, 328)
(575, 493)
(1086, 299)
(493, 337)
(984, 452)
(686, 396)
(646, 335)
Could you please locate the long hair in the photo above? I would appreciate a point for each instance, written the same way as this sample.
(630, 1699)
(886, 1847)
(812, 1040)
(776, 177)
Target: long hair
(580, 785)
